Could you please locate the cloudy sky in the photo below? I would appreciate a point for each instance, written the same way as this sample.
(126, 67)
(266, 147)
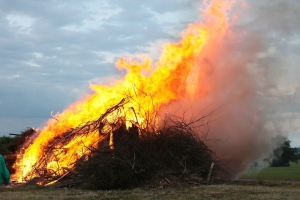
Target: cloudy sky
(50, 51)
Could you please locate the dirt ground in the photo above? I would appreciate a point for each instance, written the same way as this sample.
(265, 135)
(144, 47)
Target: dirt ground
(243, 189)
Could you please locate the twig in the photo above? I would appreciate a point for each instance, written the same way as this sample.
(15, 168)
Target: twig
(168, 181)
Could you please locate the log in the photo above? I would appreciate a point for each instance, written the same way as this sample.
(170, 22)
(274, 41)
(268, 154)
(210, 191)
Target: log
(15, 134)
(168, 181)
(210, 171)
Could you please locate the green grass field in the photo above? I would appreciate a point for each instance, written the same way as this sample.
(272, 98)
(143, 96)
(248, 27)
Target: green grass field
(291, 173)
(286, 185)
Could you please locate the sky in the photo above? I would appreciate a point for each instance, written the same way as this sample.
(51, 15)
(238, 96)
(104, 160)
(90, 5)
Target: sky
(50, 51)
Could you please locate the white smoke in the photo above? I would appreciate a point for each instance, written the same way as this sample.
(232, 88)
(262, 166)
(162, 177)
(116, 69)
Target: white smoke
(251, 83)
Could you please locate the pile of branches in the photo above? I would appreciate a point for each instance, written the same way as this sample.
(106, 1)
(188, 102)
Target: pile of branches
(136, 160)
(137, 155)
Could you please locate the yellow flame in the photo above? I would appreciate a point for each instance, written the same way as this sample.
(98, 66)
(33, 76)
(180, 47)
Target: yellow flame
(150, 86)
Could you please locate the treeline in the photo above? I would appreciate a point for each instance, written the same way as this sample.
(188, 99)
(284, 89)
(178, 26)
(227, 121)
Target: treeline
(284, 154)
(10, 144)
(6, 142)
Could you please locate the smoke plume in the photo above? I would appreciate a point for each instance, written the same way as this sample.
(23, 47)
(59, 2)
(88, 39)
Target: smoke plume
(243, 73)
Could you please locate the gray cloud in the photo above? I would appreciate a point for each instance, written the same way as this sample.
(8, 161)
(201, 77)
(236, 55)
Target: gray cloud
(51, 50)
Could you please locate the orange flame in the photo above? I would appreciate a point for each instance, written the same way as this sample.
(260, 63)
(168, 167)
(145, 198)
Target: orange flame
(150, 86)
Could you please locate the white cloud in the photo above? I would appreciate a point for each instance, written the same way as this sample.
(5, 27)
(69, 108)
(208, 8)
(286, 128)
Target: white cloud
(269, 53)
(284, 90)
(295, 41)
(97, 14)
(31, 63)
(10, 77)
(38, 55)
(24, 23)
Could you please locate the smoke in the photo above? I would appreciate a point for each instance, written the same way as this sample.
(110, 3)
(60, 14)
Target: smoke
(243, 77)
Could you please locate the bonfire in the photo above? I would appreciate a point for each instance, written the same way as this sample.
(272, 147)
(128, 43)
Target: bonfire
(123, 129)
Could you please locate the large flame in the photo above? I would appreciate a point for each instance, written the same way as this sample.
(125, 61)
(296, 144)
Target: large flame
(149, 84)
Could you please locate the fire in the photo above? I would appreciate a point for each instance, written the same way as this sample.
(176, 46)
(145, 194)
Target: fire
(149, 85)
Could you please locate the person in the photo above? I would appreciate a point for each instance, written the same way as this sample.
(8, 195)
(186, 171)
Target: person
(4, 173)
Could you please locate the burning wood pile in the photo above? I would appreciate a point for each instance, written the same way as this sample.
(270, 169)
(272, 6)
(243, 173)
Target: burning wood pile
(126, 157)
(101, 142)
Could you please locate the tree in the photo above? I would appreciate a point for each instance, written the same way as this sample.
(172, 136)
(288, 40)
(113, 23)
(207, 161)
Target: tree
(284, 154)
(298, 153)
(4, 143)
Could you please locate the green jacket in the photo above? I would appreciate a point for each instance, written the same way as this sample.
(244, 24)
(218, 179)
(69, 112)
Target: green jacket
(4, 173)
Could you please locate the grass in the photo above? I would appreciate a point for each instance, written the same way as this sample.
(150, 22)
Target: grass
(231, 190)
(266, 183)
(291, 173)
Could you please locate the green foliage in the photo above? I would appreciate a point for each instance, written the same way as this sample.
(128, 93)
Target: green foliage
(284, 154)
(4, 144)
(10, 145)
(298, 153)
